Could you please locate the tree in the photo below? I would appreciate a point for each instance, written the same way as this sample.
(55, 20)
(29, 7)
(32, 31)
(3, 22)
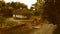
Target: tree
(13, 5)
(7, 12)
(8, 4)
(52, 10)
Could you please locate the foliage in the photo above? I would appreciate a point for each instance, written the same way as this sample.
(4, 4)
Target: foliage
(2, 4)
(17, 5)
(52, 10)
(11, 23)
(2, 20)
(7, 12)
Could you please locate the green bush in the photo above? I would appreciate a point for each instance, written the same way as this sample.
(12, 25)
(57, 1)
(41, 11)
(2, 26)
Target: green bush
(11, 23)
(2, 20)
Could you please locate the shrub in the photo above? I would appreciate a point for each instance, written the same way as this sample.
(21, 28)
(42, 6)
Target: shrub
(11, 23)
(2, 20)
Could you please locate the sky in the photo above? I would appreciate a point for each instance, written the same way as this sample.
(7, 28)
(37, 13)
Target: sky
(26, 2)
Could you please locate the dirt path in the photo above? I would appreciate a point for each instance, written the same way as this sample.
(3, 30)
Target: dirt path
(44, 29)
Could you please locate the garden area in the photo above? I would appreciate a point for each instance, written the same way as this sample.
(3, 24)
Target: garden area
(16, 18)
